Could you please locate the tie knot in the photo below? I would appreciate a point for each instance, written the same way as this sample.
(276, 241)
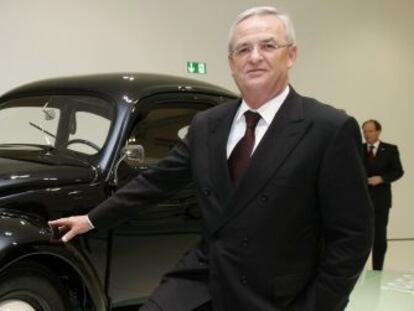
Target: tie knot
(252, 118)
(371, 147)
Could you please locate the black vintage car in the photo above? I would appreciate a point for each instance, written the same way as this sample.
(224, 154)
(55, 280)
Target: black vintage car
(65, 146)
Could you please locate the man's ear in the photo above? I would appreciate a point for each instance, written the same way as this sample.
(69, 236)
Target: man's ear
(292, 53)
(231, 63)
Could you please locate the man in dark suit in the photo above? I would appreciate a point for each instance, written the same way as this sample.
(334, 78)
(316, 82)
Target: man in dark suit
(383, 166)
(281, 185)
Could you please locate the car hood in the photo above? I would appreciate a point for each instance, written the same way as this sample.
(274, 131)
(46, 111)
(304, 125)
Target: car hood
(21, 175)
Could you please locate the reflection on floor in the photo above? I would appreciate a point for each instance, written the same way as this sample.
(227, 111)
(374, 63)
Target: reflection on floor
(391, 289)
(383, 291)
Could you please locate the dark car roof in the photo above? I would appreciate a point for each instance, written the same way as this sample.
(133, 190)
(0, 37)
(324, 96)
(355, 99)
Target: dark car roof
(117, 85)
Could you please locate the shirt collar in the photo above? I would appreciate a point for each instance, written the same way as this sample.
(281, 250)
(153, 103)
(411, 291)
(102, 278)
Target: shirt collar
(268, 110)
(376, 145)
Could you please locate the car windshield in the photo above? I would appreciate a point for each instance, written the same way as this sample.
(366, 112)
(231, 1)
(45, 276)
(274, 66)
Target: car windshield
(77, 123)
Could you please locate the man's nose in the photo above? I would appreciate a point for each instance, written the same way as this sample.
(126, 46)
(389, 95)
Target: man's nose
(255, 54)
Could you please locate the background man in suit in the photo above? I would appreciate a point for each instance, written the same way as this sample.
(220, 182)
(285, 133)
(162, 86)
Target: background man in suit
(280, 182)
(383, 166)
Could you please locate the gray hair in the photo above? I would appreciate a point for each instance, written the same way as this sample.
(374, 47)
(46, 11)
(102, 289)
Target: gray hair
(263, 10)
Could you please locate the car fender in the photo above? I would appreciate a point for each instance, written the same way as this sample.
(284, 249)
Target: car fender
(24, 237)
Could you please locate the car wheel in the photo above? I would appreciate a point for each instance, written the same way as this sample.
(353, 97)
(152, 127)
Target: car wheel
(31, 287)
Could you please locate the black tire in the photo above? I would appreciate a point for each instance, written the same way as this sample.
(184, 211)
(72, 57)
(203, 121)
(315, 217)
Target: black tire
(34, 285)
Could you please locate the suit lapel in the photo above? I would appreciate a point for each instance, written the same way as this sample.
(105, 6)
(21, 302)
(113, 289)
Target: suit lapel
(380, 152)
(219, 129)
(286, 130)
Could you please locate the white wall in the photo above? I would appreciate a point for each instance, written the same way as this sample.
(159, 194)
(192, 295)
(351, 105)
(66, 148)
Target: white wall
(356, 55)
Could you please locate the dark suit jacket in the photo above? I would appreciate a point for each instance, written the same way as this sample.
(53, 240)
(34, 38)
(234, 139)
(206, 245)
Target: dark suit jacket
(295, 232)
(386, 164)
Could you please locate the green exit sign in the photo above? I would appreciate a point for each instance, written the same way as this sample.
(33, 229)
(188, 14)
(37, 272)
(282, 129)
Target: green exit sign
(196, 67)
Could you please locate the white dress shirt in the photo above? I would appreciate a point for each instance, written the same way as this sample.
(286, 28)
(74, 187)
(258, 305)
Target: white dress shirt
(267, 112)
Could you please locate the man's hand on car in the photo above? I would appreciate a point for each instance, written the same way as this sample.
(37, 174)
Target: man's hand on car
(71, 226)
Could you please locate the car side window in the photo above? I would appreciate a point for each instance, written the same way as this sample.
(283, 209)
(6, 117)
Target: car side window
(160, 129)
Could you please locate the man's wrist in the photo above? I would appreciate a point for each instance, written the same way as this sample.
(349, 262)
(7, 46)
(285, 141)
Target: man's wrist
(90, 222)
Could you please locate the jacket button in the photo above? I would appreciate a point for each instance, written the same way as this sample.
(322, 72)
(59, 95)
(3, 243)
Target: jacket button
(206, 191)
(243, 279)
(245, 242)
(264, 198)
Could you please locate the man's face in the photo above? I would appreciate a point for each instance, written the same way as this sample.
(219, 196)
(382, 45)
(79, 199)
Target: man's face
(371, 135)
(256, 65)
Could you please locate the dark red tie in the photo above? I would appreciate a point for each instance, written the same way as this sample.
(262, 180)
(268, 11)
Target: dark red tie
(240, 156)
(371, 155)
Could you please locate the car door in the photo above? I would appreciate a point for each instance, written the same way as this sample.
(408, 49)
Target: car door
(146, 247)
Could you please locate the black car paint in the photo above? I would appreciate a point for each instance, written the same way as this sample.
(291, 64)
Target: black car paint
(40, 185)
(26, 237)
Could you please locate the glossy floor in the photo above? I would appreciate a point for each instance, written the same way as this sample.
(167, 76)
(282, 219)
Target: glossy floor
(391, 289)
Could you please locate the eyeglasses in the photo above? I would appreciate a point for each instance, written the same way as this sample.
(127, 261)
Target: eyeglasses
(264, 47)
